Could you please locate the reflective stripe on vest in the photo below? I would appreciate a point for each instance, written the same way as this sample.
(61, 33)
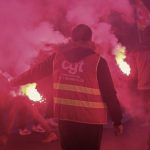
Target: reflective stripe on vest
(76, 88)
(76, 93)
(79, 103)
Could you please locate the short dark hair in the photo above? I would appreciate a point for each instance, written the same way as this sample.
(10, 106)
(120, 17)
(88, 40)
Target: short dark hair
(82, 32)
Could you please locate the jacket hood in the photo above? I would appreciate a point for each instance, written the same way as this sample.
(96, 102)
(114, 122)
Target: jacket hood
(75, 51)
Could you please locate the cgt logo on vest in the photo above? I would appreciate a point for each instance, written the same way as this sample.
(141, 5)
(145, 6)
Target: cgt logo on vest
(73, 68)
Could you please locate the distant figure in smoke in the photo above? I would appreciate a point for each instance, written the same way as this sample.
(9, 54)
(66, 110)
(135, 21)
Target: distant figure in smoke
(83, 91)
(22, 112)
(140, 73)
(4, 106)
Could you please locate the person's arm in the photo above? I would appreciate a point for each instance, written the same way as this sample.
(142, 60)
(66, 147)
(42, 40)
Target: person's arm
(108, 92)
(36, 73)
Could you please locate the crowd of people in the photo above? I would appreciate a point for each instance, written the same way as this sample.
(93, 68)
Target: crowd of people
(80, 92)
(83, 91)
(19, 114)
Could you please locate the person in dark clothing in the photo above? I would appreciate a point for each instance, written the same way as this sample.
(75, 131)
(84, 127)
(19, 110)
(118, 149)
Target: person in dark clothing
(5, 98)
(83, 91)
(140, 75)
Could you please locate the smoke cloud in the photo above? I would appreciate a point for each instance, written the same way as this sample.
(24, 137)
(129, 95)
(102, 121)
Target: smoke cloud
(27, 25)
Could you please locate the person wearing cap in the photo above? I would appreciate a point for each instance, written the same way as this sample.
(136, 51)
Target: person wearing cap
(83, 91)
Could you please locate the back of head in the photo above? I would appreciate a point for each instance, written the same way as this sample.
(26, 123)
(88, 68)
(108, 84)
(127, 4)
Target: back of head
(82, 33)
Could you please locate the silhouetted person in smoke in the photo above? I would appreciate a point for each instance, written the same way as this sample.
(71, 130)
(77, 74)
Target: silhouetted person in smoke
(4, 106)
(24, 111)
(140, 73)
(83, 91)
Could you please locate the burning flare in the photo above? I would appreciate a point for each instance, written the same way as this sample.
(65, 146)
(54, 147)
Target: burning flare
(120, 55)
(31, 92)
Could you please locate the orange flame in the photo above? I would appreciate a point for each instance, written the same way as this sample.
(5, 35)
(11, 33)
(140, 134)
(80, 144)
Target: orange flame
(120, 55)
(31, 92)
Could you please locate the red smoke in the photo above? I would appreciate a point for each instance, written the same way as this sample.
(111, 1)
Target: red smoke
(27, 25)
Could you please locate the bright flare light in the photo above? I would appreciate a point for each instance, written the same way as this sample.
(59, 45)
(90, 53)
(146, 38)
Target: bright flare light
(120, 59)
(31, 92)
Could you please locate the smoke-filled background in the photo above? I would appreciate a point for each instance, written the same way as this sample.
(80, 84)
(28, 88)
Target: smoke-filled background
(28, 26)
(30, 29)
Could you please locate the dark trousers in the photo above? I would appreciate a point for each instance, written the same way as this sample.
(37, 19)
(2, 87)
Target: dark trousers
(80, 136)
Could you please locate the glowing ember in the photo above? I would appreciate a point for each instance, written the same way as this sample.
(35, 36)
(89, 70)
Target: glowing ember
(120, 59)
(31, 92)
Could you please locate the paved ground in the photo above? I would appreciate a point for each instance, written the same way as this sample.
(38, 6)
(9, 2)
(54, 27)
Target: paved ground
(134, 138)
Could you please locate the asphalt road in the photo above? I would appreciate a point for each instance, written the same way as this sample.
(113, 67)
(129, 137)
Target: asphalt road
(134, 138)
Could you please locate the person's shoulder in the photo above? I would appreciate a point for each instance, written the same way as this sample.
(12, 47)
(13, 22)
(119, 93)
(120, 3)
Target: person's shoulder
(102, 60)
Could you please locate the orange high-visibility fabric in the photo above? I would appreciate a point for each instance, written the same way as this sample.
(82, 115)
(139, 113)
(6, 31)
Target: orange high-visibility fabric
(76, 91)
